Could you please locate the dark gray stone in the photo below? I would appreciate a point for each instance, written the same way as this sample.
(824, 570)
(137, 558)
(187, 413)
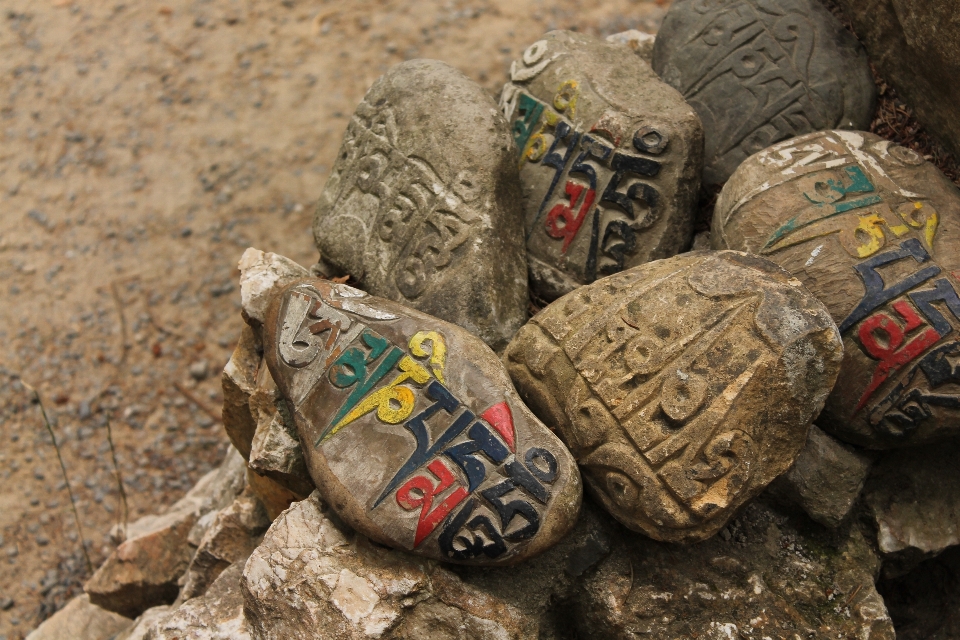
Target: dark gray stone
(826, 479)
(609, 160)
(761, 71)
(423, 202)
(915, 46)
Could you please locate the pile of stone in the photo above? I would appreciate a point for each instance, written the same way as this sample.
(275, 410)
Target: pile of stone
(393, 476)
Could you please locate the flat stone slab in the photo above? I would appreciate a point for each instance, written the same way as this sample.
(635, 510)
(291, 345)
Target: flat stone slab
(682, 387)
(412, 430)
(423, 202)
(872, 230)
(758, 72)
(609, 160)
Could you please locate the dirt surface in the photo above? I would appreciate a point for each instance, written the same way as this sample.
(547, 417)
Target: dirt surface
(143, 146)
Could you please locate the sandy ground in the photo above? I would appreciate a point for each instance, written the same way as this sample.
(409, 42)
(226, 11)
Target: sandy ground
(143, 146)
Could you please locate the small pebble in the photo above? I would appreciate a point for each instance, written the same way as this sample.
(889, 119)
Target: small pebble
(199, 370)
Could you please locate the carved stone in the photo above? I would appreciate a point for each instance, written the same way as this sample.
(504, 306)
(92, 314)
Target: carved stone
(422, 204)
(610, 160)
(412, 430)
(761, 71)
(872, 230)
(682, 387)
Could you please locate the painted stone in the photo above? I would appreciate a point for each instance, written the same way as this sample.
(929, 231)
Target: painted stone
(682, 387)
(422, 204)
(872, 230)
(610, 160)
(784, 67)
(412, 430)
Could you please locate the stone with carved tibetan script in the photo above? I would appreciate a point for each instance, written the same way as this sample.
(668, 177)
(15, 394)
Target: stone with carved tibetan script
(423, 202)
(412, 430)
(610, 160)
(872, 230)
(761, 71)
(682, 387)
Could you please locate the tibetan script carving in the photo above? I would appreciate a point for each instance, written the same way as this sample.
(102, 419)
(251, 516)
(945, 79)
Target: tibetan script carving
(608, 159)
(682, 387)
(785, 67)
(412, 431)
(871, 229)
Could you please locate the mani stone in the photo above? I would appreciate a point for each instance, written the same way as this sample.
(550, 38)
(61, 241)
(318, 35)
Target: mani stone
(423, 202)
(412, 431)
(874, 232)
(682, 387)
(610, 160)
(760, 71)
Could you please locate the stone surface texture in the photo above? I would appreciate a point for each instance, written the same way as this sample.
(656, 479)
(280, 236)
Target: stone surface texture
(682, 387)
(231, 537)
(915, 46)
(413, 431)
(640, 41)
(768, 576)
(785, 67)
(216, 615)
(913, 497)
(872, 230)
(347, 588)
(80, 620)
(143, 571)
(423, 202)
(142, 625)
(239, 379)
(610, 160)
(826, 479)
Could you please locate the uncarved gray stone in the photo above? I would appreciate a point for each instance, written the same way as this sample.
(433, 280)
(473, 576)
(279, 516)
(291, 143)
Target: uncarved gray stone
(826, 479)
(423, 203)
(81, 620)
(761, 71)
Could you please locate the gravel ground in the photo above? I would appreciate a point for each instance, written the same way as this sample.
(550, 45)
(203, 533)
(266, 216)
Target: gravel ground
(143, 146)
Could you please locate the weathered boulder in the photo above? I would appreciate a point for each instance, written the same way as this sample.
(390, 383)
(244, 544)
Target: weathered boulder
(915, 46)
(347, 588)
(413, 431)
(826, 479)
(238, 381)
(610, 160)
(873, 231)
(422, 203)
(142, 625)
(143, 571)
(216, 615)
(275, 451)
(80, 620)
(232, 536)
(768, 576)
(261, 273)
(785, 67)
(682, 387)
(913, 497)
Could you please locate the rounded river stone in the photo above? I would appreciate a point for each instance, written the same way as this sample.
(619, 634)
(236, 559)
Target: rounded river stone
(761, 71)
(610, 160)
(682, 387)
(872, 230)
(412, 431)
(423, 202)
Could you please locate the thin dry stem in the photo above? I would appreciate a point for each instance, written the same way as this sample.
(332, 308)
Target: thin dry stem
(63, 470)
(123, 493)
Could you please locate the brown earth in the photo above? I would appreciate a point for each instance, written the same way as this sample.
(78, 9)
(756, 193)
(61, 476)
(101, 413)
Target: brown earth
(143, 146)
